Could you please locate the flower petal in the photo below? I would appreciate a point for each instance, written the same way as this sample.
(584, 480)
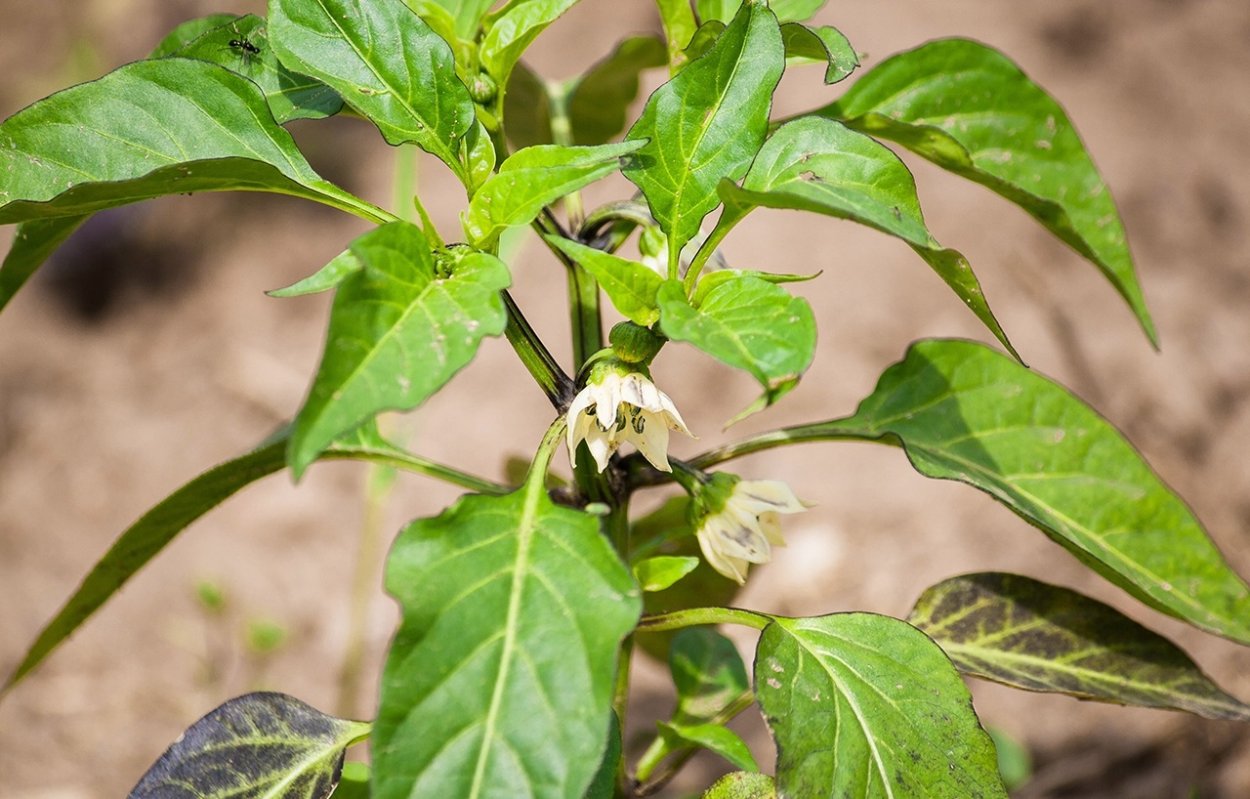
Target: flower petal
(652, 442)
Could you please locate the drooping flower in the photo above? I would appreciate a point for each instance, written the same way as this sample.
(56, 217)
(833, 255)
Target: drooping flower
(620, 405)
(741, 522)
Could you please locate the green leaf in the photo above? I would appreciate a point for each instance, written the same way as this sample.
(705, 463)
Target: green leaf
(603, 786)
(749, 324)
(713, 737)
(354, 783)
(866, 706)
(786, 10)
(530, 179)
(399, 329)
(708, 675)
(187, 32)
(969, 109)
(327, 277)
(386, 63)
(204, 128)
(512, 32)
(659, 573)
(290, 96)
(630, 286)
(467, 14)
(677, 19)
(599, 101)
(33, 243)
(818, 165)
(823, 43)
(707, 123)
(742, 785)
(527, 108)
(1040, 637)
(499, 681)
(264, 745)
(964, 412)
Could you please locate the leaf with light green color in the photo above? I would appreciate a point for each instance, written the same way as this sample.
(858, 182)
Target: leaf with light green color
(530, 179)
(290, 95)
(742, 785)
(263, 745)
(749, 324)
(714, 738)
(204, 128)
(399, 329)
(630, 286)
(964, 412)
(824, 43)
(866, 706)
(1040, 637)
(659, 573)
(706, 124)
(186, 32)
(354, 783)
(1015, 764)
(786, 10)
(33, 243)
(339, 268)
(512, 32)
(152, 532)
(677, 19)
(467, 14)
(499, 681)
(712, 687)
(970, 110)
(819, 165)
(386, 63)
(479, 155)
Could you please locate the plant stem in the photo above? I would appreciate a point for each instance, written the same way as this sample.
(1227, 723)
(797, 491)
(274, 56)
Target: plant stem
(378, 484)
(695, 617)
(799, 434)
(584, 317)
(536, 357)
(412, 463)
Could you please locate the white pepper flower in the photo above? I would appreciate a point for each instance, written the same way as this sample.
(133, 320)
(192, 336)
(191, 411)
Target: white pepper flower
(746, 525)
(619, 405)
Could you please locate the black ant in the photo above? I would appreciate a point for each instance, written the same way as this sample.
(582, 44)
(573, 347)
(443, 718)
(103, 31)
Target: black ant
(243, 47)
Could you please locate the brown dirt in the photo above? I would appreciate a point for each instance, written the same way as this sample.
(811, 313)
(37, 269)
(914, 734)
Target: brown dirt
(122, 381)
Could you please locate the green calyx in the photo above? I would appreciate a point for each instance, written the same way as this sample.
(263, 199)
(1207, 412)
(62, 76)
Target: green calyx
(635, 344)
(483, 89)
(712, 495)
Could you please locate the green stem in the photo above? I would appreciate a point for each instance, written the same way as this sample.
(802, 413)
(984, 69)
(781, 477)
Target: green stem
(799, 434)
(585, 319)
(729, 217)
(695, 617)
(536, 478)
(378, 484)
(335, 197)
(537, 359)
(412, 463)
(562, 134)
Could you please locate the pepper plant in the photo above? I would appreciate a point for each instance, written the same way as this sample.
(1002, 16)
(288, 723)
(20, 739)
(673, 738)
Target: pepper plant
(524, 605)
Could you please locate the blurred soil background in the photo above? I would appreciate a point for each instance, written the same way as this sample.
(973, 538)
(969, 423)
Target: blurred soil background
(153, 354)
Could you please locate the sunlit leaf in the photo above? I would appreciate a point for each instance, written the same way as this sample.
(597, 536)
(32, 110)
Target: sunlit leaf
(512, 32)
(499, 681)
(263, 745)
(187, 32)
(864, 706)
(964, 412)
(823, 43)
(385, 62)
(242, 44)
(969, 109)
(659, 573)
(786, 10)
(204, 128)
(748, 323)
(819, 165)
(630, 286)
(707, 123)
(1040, 637)
(715, 738)
(400, 327)
(535, 177)
(338, 269)
(742, 785)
